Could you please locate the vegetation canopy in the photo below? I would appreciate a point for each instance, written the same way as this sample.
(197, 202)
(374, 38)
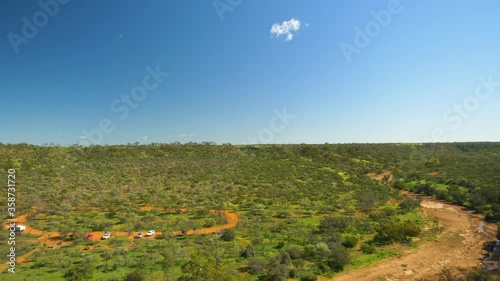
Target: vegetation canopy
(305, 210)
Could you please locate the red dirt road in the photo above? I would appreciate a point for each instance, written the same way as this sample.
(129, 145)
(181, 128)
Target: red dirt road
(52, 238)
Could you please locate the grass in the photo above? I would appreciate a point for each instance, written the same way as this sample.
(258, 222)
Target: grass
(28, 275)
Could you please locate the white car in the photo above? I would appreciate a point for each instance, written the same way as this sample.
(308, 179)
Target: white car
(20, 228)
(139, 235)
(106, 236)
(150, 233)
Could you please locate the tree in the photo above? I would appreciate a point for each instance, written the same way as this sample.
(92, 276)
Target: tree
(209, 222)
(295, 253)
(408, 204)
(349, 241)
(228, 234)
(308, 276)
(130, 219)
(168, 255)
(276, 271)
(338, 258)
(80, 232)
(249, 251)
(284, 258)
(63, 230)
(367, 248)
(83, 271)
(136, 275)
(321, 251)
(204, 267)
(396, 231)
(332, 224)
(256, 265)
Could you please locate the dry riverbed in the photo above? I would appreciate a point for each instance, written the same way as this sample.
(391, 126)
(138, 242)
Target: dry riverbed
(460, 244)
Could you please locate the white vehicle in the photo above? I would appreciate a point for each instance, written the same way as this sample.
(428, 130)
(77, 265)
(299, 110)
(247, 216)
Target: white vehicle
(20, 228)
(150, 233)
(106, 236)
(139, 235)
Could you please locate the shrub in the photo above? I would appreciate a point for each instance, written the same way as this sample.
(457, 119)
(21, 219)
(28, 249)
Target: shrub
(209, 223)
(276, 272)
(396, 231)
(408, 204)
(349, 241)
(228, 235)
(256, 265)
(249, 252)
(295, 253)
(308, 276)
(338, 258)
(284, 258)
(137, 275)
(367, 248)
(283, 215)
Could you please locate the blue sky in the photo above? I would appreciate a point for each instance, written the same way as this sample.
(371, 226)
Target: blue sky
(423, 75)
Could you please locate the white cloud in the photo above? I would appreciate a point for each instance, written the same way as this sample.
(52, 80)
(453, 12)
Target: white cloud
(83, 137)
(286, 29)
(144, 138)
(185, 135)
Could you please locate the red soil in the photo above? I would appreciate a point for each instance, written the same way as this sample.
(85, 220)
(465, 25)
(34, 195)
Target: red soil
(53, 238)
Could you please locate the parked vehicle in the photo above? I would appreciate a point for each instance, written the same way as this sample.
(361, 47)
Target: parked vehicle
(89, 237)
(106, 236)
(20, 228)
(150, 233)
(139, 235)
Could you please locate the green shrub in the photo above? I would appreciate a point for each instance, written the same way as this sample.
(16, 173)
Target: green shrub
(367, 248)
(295, 253)
(349, 241)
(136, 275)
(308, 276)
(256, 265)
(228, 234)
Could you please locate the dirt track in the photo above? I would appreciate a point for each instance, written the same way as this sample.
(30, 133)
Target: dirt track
(380, 176)
(53, 238)
(459, 245)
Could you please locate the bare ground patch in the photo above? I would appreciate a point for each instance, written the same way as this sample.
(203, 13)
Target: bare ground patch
(459, 245)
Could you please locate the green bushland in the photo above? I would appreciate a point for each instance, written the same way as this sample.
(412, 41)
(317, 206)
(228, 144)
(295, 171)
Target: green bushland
(306, 210)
